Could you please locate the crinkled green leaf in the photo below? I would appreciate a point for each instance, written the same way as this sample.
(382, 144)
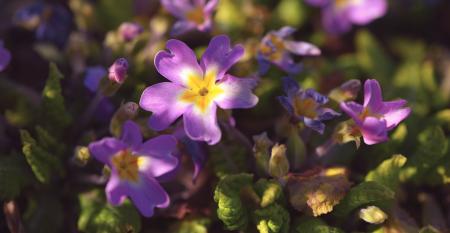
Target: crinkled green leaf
(198, 225)
(269, 191)
(387, 173)
(272, 219)
(315, 225)
(227, 159)
(231, 209)
(48, 142)
(431, 149)
(99, 217)
(365, 193)
(41, 162)
(14, 175)
(54, 116)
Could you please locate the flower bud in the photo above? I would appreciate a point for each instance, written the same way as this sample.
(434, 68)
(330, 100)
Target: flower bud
(82, 155)
(278, 163)
(129, 31)
(261, 151)
(347, 91)
(118, 71)
(373, 214)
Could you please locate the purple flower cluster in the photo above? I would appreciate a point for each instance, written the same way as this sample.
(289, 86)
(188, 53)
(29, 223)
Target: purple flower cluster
(338, 16)
(5, 57)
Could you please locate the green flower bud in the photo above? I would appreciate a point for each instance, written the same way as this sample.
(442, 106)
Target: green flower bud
(373, 214)
(278, 163)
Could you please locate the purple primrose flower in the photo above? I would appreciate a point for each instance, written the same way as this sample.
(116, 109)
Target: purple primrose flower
(375, 117)
(118, 71)
(191, 14)
(276, 49)
(305, 105)
(339, 15)
(128, 31)
(5, 57)
(136, 166)
(195, 90)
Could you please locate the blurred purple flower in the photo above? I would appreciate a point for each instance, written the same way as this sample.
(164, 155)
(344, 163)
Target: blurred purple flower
(135, 167)
(128, 31)
(117, 72)
(305, 105)
(339, 15)
(196, 89)
(51, 22)
(375, 117)
(5, 57)
(93, 76)
(275, 48)
(191, 14)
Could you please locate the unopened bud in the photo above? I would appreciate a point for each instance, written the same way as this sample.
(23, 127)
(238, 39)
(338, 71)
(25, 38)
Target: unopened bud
(261, 151)
(373, 215)
(278, 163)
(128, 31)
(347, 91)
(118, 71)
(126, 112)
(82, 155)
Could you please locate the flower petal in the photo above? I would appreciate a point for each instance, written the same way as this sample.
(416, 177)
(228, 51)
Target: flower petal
(302, 48)
(131, 134)
(290, 86)
(202, 126)
(316, 96)
(162, 100)
(237, 93)
(5, 57)
(219, 55)
(178, 63)
(93, 76)
(210, 6)
(352, 109)
(364, 12)
(103, 150)
(147, 195)
(286, 103)
(374, 130)
(284, 31)
(115, 190)
(335, 22)
(177, 8)
(315, 125)
(393, 118)
(372, 95)
(327, 114)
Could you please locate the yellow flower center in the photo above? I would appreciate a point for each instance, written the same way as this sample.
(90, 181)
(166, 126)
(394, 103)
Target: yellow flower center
(366, 113)
(305, 107)
(201, 91)
(196, 15)
(127, 165)
(274, 51)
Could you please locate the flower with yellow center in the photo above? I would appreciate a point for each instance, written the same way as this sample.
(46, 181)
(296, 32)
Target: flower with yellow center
(196, 15)
(127, 165)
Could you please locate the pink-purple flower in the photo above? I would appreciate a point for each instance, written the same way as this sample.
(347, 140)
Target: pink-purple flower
(196, 90)
(118, 71)
(191, 14)
(306, 105)
(128, 31)
(338, 16)
(136, 166)
(275, 48)
(5, 57)
(375, 117)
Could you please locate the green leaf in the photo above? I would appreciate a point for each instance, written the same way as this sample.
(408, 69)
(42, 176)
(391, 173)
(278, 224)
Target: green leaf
(269, 191)
(48, 142)
(231, 209)
(272, 219)
(315, 225)
(44, 213)
(111, 13)
(387, 173)
(199, 225)
(39, 160)
(53, 114)
(364, 194)
(372, 58)
(431, 149)
(14, 175)
(98, 217)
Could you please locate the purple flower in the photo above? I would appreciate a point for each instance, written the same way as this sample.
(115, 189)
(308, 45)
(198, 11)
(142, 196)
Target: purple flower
(375, 117)
(339, 15)
(276, 49)
(118, 71)
(93, 77)
(129, 31)
(196, 89)
(305, 105)
(191, 14)
(136, 166)
(51, 22)
(5, 57)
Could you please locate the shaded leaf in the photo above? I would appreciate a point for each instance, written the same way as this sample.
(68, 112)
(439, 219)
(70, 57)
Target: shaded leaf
(387, 173)
(272, 219)
(14, 175)
(315, 225)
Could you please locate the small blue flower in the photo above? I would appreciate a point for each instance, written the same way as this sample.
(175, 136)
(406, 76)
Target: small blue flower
(305, 105)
